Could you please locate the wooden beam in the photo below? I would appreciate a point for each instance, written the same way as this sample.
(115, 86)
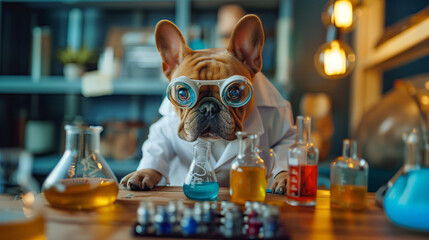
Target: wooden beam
(399, 44)
(366, 83)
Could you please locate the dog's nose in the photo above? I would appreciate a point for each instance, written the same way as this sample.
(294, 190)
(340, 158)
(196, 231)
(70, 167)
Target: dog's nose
(209, 109)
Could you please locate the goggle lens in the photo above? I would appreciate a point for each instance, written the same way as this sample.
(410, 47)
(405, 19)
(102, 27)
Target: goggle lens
(181, 94)
(237, 93)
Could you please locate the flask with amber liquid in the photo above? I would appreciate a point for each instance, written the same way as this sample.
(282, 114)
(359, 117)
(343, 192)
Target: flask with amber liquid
(248, 173)
(21, 210)
(349, 179)
(82, 179)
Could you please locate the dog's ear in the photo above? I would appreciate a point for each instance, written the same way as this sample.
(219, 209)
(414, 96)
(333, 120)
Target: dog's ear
(171, 46)
(246, 42)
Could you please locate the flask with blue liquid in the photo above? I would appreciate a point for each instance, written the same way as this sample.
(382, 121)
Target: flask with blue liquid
(201, 183)
(406, 202)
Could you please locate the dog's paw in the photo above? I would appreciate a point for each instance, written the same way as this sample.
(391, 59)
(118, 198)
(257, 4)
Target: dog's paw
(279, 184)
(141, 180)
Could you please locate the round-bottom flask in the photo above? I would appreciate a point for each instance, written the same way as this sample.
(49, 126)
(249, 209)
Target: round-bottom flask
(82, 179)
(20, 209)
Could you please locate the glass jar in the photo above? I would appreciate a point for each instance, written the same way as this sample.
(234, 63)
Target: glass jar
(349, 179)
(82, 179)
(248, 173)
(20, 208)
(303, 167)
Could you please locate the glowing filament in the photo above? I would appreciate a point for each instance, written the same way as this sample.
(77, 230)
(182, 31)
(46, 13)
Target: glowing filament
(342, 16)
(334, 60)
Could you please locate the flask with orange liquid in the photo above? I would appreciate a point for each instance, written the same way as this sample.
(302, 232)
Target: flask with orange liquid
(82, 179)
(349, 177)
(248, 173)
(302, 163)
(20, 208)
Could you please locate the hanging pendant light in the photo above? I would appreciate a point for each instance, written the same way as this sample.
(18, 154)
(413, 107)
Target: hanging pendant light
(341, 14)
(334, 59)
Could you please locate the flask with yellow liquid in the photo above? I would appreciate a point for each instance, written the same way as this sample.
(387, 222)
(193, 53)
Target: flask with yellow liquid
(248, 173)
(82, 179)
(349, 179)
(20, 208)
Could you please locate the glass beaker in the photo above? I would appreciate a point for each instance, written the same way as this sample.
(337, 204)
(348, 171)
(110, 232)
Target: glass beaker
(248, 173)
(201, 182)
(302, 163)
(349, 179)
(20, 209)
(82, 179)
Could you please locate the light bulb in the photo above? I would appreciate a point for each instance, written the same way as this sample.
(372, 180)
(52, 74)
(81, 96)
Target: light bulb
(340, 13)
(334, 59)
(343, 14)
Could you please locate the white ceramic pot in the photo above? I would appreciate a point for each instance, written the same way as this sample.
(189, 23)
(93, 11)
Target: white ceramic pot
(73, 71)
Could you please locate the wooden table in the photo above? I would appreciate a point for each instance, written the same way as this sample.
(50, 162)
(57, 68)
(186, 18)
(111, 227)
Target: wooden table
(320, 222)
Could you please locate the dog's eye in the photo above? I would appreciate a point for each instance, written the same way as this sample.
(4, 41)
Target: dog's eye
(183, 94)
(234, 93)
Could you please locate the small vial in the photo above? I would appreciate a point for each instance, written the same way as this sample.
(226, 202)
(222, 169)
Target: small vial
(188, 222)
(349, 179)
(161, 221)
(270, 221)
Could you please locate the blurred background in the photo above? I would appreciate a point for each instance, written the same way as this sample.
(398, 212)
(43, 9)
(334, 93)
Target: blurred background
(95, 62)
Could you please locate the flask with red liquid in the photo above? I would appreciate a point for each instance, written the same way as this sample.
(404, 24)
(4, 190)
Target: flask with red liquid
(302, 162)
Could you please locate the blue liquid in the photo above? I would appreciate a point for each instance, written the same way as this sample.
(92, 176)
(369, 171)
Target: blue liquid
(406, 202)
(201, 191)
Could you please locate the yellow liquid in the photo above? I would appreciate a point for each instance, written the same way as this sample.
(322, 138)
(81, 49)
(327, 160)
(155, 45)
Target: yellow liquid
(348, 197)
(83, 193)
(248, 184)
(28, 229)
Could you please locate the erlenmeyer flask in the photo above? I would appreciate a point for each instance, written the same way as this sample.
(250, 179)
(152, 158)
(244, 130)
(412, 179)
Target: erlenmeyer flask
(20, 209)
(82, 179)
(201, 182)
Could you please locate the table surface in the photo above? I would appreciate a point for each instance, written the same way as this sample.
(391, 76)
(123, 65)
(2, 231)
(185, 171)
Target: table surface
(319, 222)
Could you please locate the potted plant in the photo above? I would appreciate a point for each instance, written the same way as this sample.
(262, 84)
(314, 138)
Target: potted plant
(74, 61)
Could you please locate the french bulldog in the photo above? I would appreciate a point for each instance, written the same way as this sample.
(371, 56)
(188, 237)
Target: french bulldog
(209, 118)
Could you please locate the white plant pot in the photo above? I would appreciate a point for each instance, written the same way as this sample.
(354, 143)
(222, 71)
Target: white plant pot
(73, 71)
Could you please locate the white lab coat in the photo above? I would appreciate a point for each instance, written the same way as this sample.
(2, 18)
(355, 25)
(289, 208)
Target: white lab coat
(168, 154)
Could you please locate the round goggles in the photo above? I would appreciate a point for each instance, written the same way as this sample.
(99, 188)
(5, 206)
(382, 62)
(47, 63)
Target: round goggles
(235, 91)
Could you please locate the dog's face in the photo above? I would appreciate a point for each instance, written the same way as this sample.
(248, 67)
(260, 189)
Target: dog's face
(209, 117)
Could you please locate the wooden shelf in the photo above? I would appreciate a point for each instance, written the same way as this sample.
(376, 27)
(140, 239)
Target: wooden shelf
(58, 85)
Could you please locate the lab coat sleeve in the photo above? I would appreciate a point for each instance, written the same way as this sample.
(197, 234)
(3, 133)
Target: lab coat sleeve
(158, 150)
(282, 136)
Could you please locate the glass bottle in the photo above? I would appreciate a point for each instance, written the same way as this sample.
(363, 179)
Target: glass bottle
(303, 168)
(248, 173)
(82, 179)
(201, 182)
(20, 208)
(349, 179)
